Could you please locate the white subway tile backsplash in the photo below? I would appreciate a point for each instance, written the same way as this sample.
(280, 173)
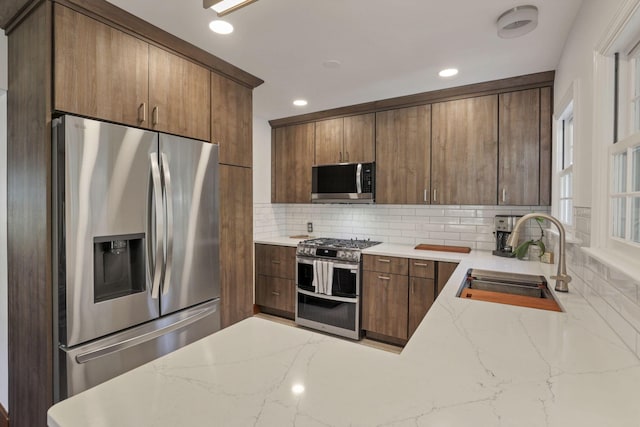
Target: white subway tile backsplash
(402, 240)
(429, 212)
(489, 221)
(456, 228)
(460, 212)
(404, 226)
(412, 224)
(444, 220)
(485, 246)
(430, 227)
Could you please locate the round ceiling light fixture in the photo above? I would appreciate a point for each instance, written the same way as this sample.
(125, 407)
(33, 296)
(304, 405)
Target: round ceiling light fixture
(448, 72)
(518, 21)
(300, 102)
(331, 63)
(221, 27)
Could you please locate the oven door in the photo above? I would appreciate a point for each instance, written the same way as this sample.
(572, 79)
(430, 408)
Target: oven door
(346, 277)
(336, 315)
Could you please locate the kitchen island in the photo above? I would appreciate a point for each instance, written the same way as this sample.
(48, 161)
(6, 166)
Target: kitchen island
(469, 363)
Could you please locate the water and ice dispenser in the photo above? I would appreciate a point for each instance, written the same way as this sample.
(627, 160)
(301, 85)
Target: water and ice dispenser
(118, 266)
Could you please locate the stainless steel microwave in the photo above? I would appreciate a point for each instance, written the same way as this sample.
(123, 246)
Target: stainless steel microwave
(343, 183)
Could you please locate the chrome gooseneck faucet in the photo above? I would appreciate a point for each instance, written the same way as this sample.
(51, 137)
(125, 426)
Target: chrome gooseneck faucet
(562, 278)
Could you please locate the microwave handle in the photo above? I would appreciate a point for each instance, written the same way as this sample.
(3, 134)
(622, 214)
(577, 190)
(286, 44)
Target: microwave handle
(359, 178)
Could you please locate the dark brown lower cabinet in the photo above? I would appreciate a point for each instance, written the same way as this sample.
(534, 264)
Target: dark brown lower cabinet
(421, 296)
(385, 303)
(445, 270)
(275, 279)
(393, 305)
(276, 293)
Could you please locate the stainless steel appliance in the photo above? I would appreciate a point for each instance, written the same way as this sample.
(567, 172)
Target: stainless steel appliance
(328, 285)
(136, 255)
(343, 183)
(504, 226)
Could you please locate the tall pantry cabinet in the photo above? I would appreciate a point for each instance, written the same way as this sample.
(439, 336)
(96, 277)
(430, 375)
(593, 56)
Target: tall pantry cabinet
(90, 58)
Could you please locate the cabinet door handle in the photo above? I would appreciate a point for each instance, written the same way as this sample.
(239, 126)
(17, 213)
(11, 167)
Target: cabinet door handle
(384, 278)
(420, 264)
(275, 261)
(425, 195)
(142, 117)
(504, 194)
(347, 156)
(340, 159)
(276, 293)
(155, 115)
(384, 260)
(435, 194)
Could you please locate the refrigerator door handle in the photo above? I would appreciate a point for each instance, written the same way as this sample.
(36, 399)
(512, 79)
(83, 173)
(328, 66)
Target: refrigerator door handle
(157, 193)
(169, 203)
(131, 342)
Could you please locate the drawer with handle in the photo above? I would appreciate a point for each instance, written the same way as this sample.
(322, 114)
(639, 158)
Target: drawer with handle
(277, 261)
(275, 292)
(422, 268)
(385, 264)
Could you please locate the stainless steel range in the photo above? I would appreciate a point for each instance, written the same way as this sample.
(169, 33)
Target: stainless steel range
(328, 285)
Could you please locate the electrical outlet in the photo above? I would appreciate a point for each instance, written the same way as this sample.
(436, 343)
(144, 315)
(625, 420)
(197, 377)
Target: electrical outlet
(310, 227)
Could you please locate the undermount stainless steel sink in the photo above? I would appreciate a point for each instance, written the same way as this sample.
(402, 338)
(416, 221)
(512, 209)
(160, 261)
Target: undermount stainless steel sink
(510, 283)
(525, 290)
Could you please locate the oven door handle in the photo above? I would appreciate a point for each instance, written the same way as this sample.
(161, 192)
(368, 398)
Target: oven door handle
(336, 264)
(328, 297)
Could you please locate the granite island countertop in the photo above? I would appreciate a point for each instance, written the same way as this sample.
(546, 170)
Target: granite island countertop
(469, 363)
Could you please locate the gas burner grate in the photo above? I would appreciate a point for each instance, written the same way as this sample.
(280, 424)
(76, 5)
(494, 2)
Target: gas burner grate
(326, 242)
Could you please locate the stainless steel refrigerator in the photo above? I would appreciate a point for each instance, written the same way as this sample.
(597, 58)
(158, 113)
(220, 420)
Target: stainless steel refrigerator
(136, 266)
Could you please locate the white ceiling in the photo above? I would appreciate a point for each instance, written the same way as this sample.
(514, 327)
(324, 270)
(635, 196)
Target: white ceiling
(385, 51)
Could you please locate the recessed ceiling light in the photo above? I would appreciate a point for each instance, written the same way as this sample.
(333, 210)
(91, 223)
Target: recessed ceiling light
(300, 102)
(221, 27)
(448, 72)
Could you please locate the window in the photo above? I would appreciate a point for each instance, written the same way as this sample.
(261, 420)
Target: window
(615, 129)
(625, 190)
(635, 99)
(624, 162)
(565, 175)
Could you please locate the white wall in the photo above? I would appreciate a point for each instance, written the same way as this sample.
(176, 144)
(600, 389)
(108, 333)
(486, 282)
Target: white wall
(261, 160)
(4, 386)
(576, 65)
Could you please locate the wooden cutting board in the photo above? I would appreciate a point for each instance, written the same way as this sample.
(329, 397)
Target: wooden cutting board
(443, 248)
(519, 300)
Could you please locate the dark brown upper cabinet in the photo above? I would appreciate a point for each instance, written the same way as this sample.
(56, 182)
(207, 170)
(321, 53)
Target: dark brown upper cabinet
(403, 150)
(292, 159)
(345, 140)
(231, 123)
(104, 73)
(465, 151)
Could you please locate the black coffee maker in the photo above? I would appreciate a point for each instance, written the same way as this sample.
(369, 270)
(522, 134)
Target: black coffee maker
(504, 227)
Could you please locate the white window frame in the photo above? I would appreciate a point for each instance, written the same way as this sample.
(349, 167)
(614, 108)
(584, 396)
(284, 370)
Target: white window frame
(628, 140)
(621, 37)
(565, 171)
(567, 107)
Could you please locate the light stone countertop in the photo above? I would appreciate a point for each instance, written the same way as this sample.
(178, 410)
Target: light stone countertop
(470, 363)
